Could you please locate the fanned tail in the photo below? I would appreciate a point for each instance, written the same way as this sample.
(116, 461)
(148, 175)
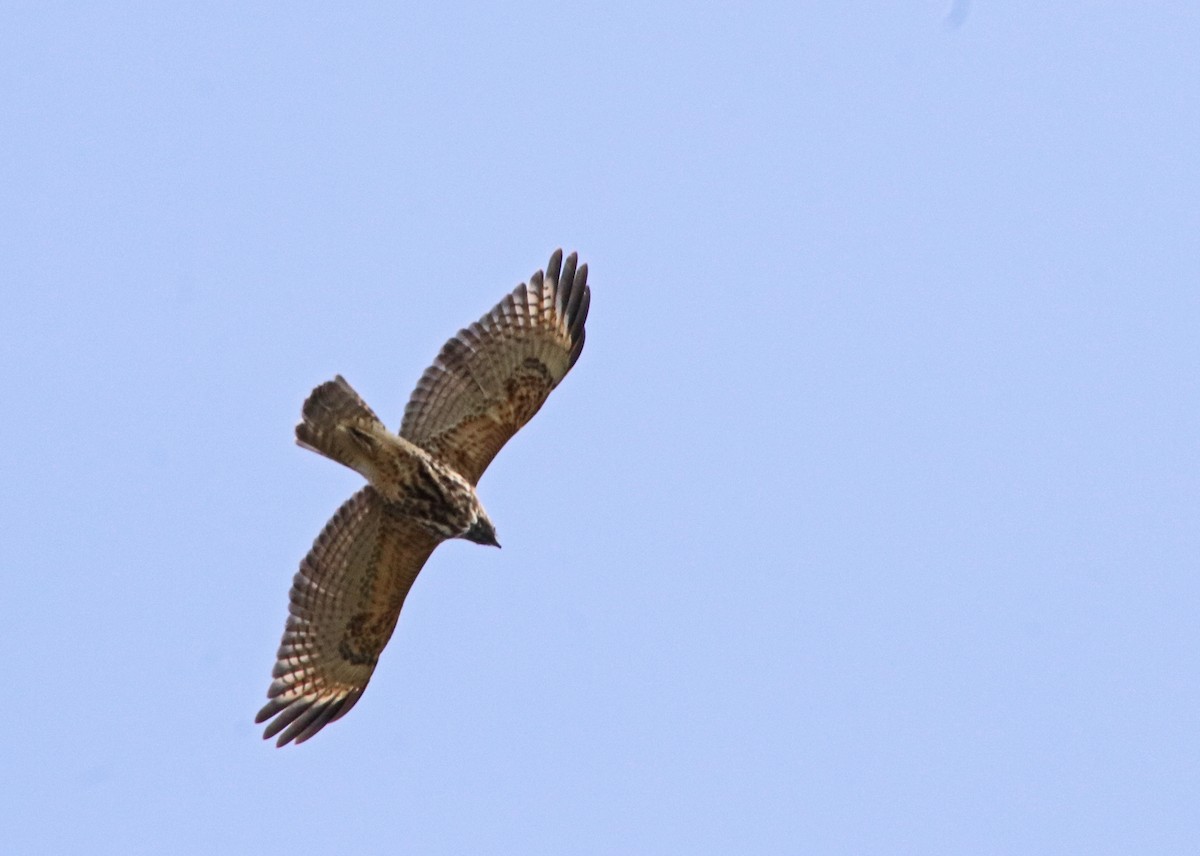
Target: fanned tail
(338, 424)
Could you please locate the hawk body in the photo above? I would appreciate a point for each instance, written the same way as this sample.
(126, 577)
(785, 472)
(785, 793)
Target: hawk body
(338, 424)
(485, 384)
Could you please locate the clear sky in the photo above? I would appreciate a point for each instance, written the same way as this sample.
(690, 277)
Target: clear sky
(866, 524)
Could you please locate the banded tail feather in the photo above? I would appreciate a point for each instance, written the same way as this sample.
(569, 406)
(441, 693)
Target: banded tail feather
(338, 424)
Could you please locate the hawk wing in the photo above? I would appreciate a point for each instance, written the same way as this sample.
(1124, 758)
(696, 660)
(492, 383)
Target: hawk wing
(491, 378)
(345, 601)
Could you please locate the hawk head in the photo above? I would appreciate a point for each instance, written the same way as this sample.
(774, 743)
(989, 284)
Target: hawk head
(482, 531)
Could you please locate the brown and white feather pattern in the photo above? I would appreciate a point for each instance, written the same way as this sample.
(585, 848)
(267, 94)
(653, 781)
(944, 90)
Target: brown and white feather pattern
(491, 378)
(345, 601)
(486, 383)
(338, 424)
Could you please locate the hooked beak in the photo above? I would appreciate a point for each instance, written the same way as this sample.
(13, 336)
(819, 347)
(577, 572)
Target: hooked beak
(482, 532)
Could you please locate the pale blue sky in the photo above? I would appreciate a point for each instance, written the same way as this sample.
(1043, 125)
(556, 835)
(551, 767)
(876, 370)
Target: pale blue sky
(866, 524)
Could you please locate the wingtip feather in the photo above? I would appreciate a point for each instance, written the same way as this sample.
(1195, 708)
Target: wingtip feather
(554, 266)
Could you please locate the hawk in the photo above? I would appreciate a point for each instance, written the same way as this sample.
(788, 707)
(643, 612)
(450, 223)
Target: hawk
(487, 382)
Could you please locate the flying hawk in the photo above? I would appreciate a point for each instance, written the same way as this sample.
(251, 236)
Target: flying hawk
(485, 384)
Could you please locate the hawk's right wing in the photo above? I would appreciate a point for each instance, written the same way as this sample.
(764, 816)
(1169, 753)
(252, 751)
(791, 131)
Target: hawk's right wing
(345, 601)
(491, 378)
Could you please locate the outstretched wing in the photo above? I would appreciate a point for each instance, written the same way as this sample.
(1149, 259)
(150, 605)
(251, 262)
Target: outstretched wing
(491, 378)
(345, 601)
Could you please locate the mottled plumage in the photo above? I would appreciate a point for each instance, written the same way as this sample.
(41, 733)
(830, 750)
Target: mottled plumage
(487, 382)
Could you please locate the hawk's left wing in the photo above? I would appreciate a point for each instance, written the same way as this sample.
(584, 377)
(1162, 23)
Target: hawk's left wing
(345, 601)
(491, 378)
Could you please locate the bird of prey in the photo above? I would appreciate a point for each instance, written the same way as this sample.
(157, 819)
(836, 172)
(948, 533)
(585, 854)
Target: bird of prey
(487, 382)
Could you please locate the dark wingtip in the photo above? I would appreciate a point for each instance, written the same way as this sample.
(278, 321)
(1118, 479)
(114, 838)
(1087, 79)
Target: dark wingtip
(554, 265)
(553, 268)
(269, 709)
(567, 278)
(581, 313)
(573, 293)
(301, 718)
